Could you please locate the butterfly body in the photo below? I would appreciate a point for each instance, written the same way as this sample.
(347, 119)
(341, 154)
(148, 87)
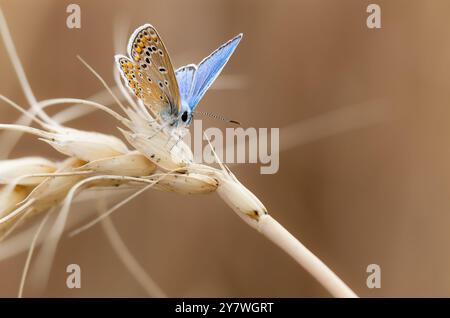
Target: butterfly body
(171, 96)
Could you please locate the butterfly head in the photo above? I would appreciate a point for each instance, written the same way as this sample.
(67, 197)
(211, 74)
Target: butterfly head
(185, 115)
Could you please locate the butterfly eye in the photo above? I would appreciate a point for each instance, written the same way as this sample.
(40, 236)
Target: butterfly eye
(184, 116)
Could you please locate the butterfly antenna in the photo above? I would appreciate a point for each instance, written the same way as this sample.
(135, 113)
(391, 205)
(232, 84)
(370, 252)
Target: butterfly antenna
(216, 116)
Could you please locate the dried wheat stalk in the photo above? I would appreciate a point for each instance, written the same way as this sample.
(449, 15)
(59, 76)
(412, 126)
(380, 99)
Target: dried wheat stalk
(31, 186)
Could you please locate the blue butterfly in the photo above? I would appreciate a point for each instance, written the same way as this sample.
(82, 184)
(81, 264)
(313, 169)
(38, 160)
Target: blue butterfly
(170, 95)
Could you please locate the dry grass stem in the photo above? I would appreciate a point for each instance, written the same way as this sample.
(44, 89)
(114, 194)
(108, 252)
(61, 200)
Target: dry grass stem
(158, 159)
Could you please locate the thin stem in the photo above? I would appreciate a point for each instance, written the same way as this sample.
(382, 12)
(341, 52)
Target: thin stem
(151, 183)
(10, 139)
(56, 101)
(23, 111)
(26, 129)
(130, 262)
(275, 232)
(110, 211)
(30, 254)
(46, 256)
(78, 110)
(9, 45)
(16, 212)
(90, 68)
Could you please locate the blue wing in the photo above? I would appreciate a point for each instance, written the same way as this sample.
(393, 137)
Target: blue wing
(185, 78)
(199, 79)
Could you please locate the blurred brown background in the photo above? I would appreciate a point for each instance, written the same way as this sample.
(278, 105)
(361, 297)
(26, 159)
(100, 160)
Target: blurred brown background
(375, 193)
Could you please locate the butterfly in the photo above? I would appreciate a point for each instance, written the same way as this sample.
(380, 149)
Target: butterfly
(171, 96)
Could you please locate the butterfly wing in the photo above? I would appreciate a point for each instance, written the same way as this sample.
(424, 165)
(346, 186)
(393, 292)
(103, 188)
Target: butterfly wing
(149, 72)
(209, 69)
(185, 78)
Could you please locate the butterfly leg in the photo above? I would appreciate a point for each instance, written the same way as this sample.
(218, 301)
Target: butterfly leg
(159, 130)
(176, 143)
